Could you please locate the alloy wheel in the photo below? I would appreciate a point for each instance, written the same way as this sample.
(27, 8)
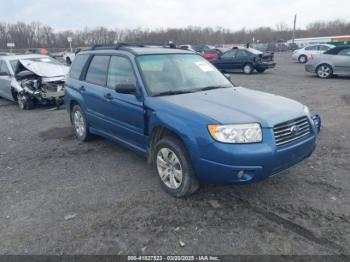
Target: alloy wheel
(79, 123)
(169, 168)
(324, 71)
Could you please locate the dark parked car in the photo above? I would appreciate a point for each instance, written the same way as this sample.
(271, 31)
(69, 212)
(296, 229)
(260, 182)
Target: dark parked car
(176, 109)
(247, 59)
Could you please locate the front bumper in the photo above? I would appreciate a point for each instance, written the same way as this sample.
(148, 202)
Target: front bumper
(239, 164)
(266, 65)
(310, 68)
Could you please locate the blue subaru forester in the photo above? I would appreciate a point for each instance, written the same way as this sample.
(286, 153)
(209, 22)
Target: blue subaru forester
(187, 118)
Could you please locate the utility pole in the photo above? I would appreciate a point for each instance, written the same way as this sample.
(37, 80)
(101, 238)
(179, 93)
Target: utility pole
(294, 27)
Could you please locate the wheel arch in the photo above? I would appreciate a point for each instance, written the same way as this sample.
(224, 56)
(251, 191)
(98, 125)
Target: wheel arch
(327, 64)
(72, 103)
(157, 133)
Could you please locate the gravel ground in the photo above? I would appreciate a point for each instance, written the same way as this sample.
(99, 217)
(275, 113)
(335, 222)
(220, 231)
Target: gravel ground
(59, 196)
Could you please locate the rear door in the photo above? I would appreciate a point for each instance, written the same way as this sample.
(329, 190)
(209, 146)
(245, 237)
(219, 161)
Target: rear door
(124, 111)
(5, 81)
(93, 89)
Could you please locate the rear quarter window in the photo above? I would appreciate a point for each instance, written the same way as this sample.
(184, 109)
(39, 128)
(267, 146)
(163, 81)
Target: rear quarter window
(77, 66)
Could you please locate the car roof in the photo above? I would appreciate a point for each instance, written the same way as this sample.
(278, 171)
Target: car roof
(28, 56)
(147, 50)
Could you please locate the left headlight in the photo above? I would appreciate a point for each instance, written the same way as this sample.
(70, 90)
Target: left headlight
(236, 134)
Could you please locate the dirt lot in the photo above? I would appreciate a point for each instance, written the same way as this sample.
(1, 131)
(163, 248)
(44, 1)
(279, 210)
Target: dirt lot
(59, 196)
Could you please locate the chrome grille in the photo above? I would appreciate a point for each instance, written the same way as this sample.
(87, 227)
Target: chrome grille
(292, 130)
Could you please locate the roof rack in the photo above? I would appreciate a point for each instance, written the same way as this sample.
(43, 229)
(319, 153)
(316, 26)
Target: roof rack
(120, 45)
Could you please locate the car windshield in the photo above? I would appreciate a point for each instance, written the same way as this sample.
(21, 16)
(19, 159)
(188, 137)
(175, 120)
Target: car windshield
(179, 73)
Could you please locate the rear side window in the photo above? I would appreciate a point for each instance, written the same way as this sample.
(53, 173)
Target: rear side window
(77, 66)
(97, 72)
(120, 72)
(312, 48)
(324, 47)
(241, 54)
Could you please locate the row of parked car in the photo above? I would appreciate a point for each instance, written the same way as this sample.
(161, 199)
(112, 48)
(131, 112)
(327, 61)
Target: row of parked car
(228, 60)
(31, 79)
(324, 60)
(173, 107)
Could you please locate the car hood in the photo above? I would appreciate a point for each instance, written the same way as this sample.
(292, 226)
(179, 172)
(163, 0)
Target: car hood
(239, 105)
(44, 69)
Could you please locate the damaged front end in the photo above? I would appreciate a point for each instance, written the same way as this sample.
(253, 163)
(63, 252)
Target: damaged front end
(43, 90)
(40, 82)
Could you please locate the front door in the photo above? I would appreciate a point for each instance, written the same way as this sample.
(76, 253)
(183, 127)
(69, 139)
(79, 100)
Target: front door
(341, 61)
(124, 111)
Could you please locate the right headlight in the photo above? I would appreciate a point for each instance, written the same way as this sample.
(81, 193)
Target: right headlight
(236, 134)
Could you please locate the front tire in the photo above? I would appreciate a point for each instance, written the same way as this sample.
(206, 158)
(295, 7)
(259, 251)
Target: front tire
(248, 69)
(174, 168)
(260, 70)
(25, 102)
(81, 127)
(324, 71)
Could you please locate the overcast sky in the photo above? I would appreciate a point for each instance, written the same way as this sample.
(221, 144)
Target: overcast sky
(232, 14)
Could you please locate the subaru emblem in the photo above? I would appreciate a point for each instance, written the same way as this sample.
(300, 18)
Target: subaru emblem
(294, 129)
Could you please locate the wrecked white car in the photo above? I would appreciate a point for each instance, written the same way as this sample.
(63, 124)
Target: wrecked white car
(32, 79)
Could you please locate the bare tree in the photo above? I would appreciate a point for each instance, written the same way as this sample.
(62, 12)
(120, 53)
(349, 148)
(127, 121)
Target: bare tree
(37, 35)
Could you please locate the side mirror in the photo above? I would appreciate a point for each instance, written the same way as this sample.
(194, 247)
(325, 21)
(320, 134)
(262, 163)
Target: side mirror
(126, 89)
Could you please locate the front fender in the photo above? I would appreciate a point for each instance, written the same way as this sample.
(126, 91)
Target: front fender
(192, 130)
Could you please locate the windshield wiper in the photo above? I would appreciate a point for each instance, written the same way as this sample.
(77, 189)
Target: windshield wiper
(172, 92)
(212, 87)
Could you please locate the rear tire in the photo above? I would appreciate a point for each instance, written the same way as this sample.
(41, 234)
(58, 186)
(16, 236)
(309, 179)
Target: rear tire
(80, 125)
(302, 59)
(248, 69)
(25, 102)
(174, 168)
(324, 71)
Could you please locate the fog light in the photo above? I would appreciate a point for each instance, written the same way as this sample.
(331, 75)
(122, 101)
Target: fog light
(240, 174)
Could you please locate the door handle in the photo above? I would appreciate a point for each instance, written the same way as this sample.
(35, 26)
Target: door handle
(82, 88)
(108, 96)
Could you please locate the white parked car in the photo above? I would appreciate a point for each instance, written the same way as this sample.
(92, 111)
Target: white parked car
(32, 79)
(302, 55)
